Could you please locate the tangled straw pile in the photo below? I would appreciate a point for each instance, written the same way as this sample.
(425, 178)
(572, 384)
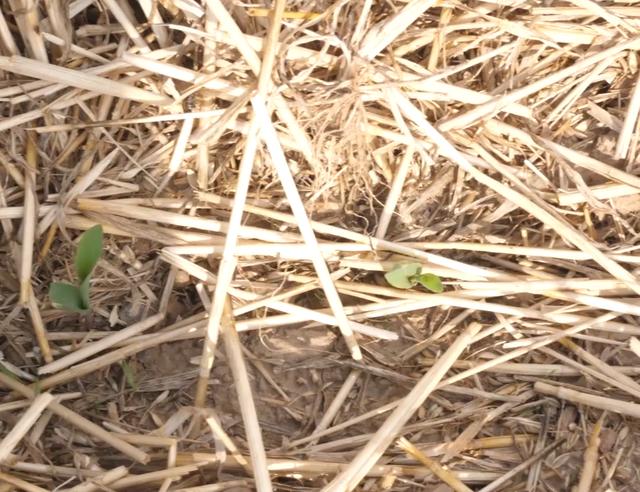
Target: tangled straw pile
(255, 169)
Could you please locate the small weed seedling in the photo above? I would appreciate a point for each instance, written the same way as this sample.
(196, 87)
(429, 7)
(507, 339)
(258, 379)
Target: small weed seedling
(407, 276)
(76, 297)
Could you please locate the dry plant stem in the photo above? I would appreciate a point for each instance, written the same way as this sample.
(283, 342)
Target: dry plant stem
(539, 370)
(471, 371)
(270, 49)
(621, 379)
(163, 305)
(496, 484)
(28, 239)
(17, 405)
(323, 468)
(324, 275)
(384, 33)
(210, 225)
(61, 29)
(29, 219)
(80, 80)
(461, 442)
(150, 9)
(90, 177)
(206, 98)
(193, 330)
(99, 482)
(601, 402)
(171, 463)
(143, 439)
(80, 422)
(39, 328)
(48, 470)
(337, 402)
(499, 102)
(369, 455)
(605, 13)
(442, 473)
(178, 152)
(629, 125)
(542, 342)
(587, 162)
(259, 302)
(227, 263)
(245, 397)
(123, 19)
(21, 484)
(374, 243)
(99, 346)
(394, 193)
(603, 192)
(304, 314)
(404, 302)
(567, 254)
(132, 481)
(22, 426)
(28, 22)
(219, 433)
(590, 463)
(560, 226)
(229, 25)
(6, 38)
(634, 346)
(217, 487)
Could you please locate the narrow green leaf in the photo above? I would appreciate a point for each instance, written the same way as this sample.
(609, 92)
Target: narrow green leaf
(129, 375)
(431, 282)
(84, 293)
(402, 276)
(66, 296)
(88, 252)
(8, 373)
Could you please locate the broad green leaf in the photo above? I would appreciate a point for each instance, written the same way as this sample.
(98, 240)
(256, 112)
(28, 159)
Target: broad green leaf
(88, 252)
(431, 282)
(66, 296)
(84, 293)
(402, 276)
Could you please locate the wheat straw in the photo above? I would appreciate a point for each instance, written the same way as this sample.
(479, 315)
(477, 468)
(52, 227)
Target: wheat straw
(22, 426)
(349, 478)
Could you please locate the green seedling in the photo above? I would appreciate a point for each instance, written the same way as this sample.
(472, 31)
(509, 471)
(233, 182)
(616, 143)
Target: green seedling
(76, 297)
(408, 275)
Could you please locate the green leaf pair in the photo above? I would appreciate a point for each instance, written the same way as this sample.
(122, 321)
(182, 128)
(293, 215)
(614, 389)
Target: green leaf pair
(76, 297)
(407, 276)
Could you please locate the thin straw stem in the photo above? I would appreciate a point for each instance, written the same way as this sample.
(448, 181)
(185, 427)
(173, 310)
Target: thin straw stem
(245, 398)
(22, 426)
(388, 431)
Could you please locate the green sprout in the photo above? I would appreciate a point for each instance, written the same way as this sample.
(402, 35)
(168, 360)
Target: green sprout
(129, 375)
(76, 297)
(408, 275)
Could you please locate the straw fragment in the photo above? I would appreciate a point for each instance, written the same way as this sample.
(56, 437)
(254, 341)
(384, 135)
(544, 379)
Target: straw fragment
(79, 79)
(367, 457)
(105, 343)
(22, 426)
(246, 400)
(279, 161)
(601, 402)
(74, 419)
(590, 458)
